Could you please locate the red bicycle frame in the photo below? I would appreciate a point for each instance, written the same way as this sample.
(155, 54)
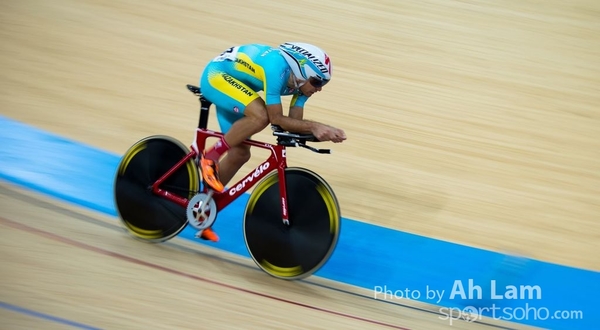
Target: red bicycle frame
(276, 161)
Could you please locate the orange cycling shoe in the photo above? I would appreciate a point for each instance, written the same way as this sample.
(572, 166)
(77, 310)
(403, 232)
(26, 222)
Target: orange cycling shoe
(209, 235)
(210, 174)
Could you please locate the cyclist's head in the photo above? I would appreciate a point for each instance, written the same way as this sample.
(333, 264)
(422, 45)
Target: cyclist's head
(308, 62)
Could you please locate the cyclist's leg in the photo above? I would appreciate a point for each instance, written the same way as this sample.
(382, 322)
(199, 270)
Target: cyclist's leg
(236, 156)
(255, 119)
(231, 163)
(241, 113)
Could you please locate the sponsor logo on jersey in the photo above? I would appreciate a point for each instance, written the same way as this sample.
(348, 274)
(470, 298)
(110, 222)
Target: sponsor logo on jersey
(245, 64)
(235, 84)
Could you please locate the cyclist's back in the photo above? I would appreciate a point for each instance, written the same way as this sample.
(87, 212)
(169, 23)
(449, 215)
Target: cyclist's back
(261, 67)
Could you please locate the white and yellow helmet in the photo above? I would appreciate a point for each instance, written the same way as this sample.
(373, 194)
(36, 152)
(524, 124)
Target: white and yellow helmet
(308, 62)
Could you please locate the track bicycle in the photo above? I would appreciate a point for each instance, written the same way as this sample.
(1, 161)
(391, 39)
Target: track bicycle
(291, 220)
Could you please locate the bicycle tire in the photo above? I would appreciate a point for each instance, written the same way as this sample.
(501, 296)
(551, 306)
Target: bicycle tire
(298, 250)
(145, 215)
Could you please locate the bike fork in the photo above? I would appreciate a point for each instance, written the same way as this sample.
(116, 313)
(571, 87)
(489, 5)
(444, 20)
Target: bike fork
(283, 195)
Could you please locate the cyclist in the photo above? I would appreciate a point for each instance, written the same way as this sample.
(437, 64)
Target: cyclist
(231, 82)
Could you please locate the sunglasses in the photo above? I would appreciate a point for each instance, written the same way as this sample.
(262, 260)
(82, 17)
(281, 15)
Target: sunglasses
(317, 82)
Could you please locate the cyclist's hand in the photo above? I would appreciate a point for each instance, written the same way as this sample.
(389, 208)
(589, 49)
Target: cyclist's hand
(328, 133)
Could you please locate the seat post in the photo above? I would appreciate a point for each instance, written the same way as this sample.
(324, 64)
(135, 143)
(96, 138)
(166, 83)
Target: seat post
(204, 112)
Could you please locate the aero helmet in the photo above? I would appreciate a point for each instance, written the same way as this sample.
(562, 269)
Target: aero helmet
(308, 62)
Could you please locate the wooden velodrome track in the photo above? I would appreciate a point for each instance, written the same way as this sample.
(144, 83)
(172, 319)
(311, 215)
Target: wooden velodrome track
(469, 121)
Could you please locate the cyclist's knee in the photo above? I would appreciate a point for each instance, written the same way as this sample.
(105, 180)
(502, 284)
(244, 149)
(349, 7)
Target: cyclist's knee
(257, 110)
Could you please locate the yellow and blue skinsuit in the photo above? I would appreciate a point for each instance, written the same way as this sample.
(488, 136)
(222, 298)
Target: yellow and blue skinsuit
(232, 79)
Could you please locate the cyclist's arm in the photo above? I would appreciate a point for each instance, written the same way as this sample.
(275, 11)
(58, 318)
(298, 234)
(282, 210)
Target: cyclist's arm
(292, 123)
(288, 123)
(296, 112)
(297, 106)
